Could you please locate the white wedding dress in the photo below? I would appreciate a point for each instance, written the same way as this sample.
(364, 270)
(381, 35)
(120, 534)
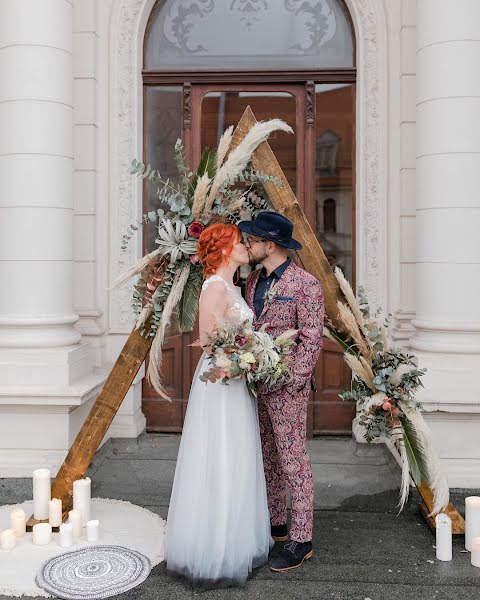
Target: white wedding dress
(218, 526)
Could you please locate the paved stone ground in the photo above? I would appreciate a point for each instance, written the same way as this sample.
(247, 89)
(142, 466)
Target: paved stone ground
(362, 549)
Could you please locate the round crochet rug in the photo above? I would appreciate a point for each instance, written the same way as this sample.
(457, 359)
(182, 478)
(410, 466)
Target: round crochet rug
(93, 573)
(121, 524)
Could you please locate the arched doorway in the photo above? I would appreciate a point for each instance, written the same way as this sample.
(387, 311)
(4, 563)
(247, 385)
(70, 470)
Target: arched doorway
(204, 62)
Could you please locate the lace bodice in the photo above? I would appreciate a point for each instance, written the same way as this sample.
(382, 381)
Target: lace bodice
(238, 311)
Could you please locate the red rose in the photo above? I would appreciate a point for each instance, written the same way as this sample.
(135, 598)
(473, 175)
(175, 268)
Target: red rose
(195, 229)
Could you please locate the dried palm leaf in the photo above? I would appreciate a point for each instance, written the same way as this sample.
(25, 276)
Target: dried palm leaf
(423, 459)
(405, 483)
(155, 362)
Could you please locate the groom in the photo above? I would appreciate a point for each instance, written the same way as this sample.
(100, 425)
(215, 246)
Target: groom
(284, 296)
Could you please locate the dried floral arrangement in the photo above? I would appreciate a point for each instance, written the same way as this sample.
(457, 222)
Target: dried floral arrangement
(223, 188)
(385, 380)
(238, 351)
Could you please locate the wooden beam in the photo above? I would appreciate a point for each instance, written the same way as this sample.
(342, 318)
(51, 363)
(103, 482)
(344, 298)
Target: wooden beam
(426, 507)
(98, 420)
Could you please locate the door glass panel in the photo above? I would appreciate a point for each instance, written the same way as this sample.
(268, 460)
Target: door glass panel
(334, 173)
(163, 127)
(163, 115)
(222, 109)
(249, 34)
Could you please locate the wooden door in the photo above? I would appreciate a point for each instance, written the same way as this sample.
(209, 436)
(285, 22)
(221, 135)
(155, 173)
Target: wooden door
(330, 208)
(318, 162)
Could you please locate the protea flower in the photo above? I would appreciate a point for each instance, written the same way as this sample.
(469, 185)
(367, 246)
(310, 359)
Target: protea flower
(174, 240)
(195, 229)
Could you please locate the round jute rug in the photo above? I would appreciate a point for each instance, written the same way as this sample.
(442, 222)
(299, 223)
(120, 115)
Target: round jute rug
(121, 524)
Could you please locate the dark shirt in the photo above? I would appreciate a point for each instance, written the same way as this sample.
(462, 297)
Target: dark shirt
(264, 283)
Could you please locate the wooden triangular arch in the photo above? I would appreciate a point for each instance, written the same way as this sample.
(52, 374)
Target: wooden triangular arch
(136, 348)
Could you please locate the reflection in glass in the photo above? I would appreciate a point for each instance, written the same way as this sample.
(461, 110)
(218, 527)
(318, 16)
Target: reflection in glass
(163, 113)
(249, 34)
(163, 127)
(222, 109)
(334, 173)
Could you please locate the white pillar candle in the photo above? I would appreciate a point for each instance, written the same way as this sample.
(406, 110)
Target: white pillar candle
(55, 512)
(66, 535)
(42, 534)
(18, 521)
(443, 531)
(81, 498)
(472, 520)
(475, 556)
(8, 539)
(41, 493)
(75, 518)
(93, 531)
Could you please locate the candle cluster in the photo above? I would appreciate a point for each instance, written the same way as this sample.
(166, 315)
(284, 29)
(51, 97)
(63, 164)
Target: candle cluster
(443, 531)
(49, 510)
(18, 528)
(472, 528)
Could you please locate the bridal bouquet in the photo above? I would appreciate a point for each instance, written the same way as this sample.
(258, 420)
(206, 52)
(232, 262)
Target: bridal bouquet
(240, 352)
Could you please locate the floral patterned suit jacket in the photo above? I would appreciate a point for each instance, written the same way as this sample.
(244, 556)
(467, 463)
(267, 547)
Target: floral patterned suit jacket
(295, 302)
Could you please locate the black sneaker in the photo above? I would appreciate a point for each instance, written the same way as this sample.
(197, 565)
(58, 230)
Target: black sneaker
(279, 533)
(292, 556)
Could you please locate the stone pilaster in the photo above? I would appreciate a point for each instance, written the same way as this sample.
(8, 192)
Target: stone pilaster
(447, 322)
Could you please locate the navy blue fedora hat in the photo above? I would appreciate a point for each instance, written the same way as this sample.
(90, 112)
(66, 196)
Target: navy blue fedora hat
(272, 226)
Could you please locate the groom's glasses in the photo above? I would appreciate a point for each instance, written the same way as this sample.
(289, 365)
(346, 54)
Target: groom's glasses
(248, 241)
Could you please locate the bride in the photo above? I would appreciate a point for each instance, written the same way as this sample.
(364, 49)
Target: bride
(218, 526)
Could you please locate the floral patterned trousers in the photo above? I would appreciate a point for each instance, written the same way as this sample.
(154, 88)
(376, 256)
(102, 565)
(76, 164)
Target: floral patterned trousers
(283, 429)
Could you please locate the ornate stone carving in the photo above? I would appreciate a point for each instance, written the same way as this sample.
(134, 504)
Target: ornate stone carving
(187, 105)
(371, 164)
(124, 202)
(310, 108)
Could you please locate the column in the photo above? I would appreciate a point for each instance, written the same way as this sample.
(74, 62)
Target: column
(47, 383)
(447, 323)
(36, 165)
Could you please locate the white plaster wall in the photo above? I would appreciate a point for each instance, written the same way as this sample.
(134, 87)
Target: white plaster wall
(402, 175)
(92, 186)
(85, 176)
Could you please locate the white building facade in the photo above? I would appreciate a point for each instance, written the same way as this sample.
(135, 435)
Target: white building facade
(71, 117)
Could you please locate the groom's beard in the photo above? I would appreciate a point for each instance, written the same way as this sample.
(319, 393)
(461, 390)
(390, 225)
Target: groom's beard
(256, 259)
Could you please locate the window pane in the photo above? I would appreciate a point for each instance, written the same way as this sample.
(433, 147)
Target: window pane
(249, 34)
(334, 173)
(163, 114)
(222, 109)
(163, 128)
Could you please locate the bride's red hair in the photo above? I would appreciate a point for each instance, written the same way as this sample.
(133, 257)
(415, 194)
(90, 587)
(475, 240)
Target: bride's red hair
(215, 245)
